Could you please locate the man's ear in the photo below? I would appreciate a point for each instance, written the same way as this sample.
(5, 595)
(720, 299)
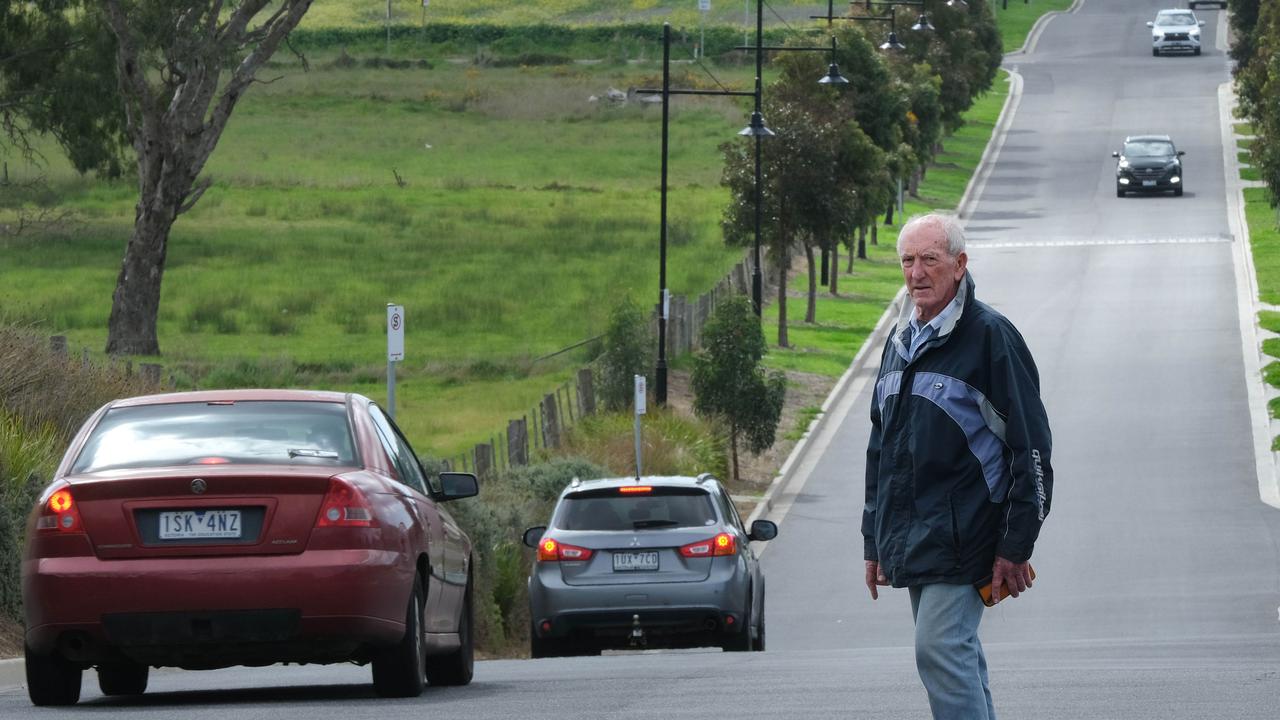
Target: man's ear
(962, 261)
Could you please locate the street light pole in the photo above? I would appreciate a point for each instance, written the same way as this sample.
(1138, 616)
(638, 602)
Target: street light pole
(757, 279)
(660, 372)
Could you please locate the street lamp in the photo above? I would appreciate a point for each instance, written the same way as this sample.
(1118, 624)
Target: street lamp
(756, 128)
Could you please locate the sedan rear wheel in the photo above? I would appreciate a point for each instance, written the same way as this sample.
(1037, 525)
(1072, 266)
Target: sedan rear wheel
(52, 679)
(757, 643)
(457, 667)
(400, 671)
(123, 678)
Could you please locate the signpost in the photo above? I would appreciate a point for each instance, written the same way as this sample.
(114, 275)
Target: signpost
(395, 351)
(641, 394)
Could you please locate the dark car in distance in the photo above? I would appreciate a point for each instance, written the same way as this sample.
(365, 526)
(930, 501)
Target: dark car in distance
(1148, 164)
(245, 527)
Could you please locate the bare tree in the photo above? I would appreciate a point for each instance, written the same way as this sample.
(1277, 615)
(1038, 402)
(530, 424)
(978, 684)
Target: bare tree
(170, 57)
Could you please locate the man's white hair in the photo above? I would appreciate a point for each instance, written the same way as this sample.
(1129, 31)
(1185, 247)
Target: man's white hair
(948, 224)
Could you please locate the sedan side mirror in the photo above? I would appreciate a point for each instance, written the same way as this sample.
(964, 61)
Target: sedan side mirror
(1151, 24)
(533, 536)
(1115, 154)
(458, 485)
(763, 530)
(1181, 153)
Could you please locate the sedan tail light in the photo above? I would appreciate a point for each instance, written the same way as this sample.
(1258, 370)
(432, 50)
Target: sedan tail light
(60, 514)
(550, 550)
(344, 506)
(722, 544)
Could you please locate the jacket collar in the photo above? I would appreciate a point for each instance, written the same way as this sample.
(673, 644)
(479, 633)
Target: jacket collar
(964, 294)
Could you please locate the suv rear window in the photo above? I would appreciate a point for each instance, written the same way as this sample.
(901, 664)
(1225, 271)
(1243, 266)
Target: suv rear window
(243, 432)
(609, 509)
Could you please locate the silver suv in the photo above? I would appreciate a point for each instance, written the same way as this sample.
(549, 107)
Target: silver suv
(650, 562)
(1175, 30)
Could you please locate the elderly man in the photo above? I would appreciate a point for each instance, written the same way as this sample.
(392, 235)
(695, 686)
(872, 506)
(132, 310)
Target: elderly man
(958, 474)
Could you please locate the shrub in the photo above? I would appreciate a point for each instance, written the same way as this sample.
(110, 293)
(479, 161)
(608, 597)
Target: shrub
(624, 355)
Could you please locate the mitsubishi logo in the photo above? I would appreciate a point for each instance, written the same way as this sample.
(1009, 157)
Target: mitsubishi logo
(198, 486)
(635, 542)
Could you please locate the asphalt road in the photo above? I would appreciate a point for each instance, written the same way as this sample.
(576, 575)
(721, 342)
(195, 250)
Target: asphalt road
(1159, 567)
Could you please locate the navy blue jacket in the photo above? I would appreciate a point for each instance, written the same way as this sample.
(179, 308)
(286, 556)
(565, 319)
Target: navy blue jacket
(958, 466)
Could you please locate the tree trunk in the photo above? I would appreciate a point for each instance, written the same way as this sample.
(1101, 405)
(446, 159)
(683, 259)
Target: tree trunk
(135, 305)
(913, 187)
(862, 243)
(849, 268)
(733, 450)
(826, 264)
(835, 270)
(784, 265)
(875, 238)
(888, 216)
(811, 311)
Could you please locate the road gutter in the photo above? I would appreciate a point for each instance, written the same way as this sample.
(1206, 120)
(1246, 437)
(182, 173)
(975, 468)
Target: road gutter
(13, 674)
(1265, 461)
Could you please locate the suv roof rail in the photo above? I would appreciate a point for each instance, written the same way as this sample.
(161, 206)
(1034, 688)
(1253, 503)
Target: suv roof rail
(703, 477)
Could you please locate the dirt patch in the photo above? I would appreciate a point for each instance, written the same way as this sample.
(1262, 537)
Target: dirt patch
(804, 390)
(10, 639)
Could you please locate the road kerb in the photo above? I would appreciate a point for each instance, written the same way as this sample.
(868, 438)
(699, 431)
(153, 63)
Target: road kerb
(1265, 461)
(13, 674)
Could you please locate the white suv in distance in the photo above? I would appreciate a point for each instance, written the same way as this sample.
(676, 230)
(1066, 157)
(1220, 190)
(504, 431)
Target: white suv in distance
(1175, 30)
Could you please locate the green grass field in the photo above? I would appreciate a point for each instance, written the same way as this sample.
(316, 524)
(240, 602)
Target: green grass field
(500, 206)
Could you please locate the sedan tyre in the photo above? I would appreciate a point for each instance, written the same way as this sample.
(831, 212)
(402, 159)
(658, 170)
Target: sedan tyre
(457, 667)
(757, 643)
(1119, 191)
(1196, 51)
(547, 647)
(1177, 192)
(51, 679)
(400, 671)
(123, 678)
(1155, 52)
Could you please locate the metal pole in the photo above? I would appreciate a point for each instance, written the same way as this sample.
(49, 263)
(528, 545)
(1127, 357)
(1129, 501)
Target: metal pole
(391, 388)
(388, 28)
(757, 281)
(660, 373)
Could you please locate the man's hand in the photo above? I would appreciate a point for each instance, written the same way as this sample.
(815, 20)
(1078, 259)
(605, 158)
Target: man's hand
(875, 577)
(1015, 576)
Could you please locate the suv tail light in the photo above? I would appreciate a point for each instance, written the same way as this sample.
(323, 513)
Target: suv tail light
(344, 506)
(59, 514)
(550, 550)
(722, 544)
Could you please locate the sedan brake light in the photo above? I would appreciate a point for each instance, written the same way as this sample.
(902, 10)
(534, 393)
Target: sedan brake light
(60, 514)
(344, 506)
(550, 550)
(722, 544)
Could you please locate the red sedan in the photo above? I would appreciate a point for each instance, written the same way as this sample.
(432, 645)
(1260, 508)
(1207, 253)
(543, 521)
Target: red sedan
(250, 527)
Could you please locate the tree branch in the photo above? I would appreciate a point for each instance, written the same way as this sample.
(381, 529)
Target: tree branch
(192, 197)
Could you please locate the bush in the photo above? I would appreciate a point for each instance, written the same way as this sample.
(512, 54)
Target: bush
(27, 458)
(624, 355)
(495, 521)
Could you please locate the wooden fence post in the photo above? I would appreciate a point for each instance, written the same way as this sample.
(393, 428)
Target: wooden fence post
(550, 422)
(517, 442)
(586, 392)
(484, 460)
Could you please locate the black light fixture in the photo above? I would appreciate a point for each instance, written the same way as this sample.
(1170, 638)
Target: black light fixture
(833, 76)
(922, 23)
(892, 44)
(757, 127)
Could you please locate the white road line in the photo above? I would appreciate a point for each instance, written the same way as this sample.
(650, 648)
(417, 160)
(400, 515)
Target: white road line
(976, 243)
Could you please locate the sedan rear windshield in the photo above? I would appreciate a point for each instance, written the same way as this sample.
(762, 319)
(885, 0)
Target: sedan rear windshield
(260, 433)
(1148, 148)
(661, 507)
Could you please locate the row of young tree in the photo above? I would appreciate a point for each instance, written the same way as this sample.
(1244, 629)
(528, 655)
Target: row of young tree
(1255, 47)
(839, 151)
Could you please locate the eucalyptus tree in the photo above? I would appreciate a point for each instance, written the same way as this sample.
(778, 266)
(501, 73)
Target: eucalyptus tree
(965, 50)
(170, 60)
(57, 80)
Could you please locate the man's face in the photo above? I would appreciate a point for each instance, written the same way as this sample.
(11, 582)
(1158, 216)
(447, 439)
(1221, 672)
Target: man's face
(931, 274)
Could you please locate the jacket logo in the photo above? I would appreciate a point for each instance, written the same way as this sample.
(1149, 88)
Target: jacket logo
(198, 486)
(937, 386)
